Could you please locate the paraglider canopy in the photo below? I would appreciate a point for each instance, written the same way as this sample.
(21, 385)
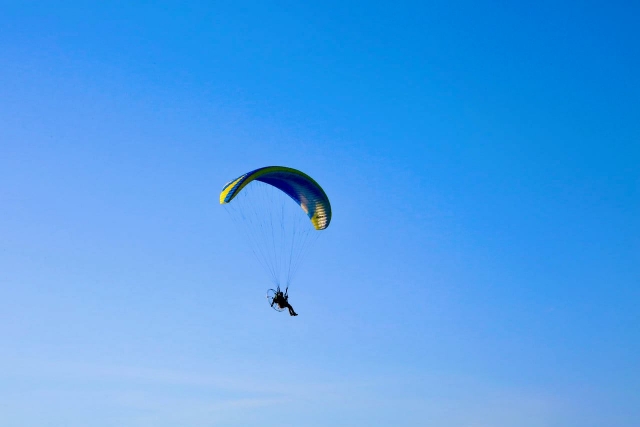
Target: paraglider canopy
(295, 184)
(280, 211)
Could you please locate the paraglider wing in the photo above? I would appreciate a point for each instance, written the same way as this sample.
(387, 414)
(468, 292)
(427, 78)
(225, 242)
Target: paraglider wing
(297, 185)
(280, 212)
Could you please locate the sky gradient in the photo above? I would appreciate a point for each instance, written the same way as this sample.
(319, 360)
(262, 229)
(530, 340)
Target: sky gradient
(482, 267)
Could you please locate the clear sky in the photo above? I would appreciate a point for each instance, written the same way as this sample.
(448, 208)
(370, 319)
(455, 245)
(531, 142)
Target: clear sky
(483, 263)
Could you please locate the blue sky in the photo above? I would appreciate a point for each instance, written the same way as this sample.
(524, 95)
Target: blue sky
(481, 268)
